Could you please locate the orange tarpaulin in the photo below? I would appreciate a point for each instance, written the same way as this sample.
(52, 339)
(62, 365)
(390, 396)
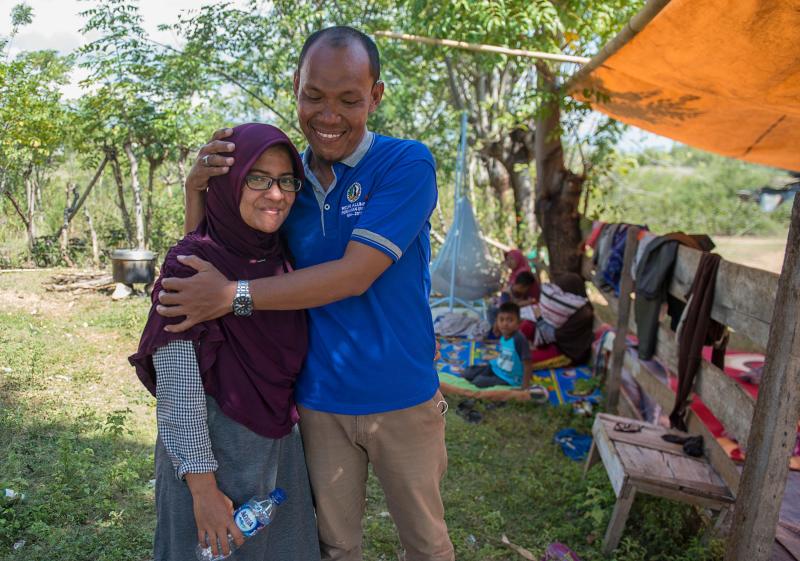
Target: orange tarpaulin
(721, 75)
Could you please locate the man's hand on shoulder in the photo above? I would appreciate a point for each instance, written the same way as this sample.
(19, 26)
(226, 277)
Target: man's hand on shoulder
(202, 297)
(211, 161)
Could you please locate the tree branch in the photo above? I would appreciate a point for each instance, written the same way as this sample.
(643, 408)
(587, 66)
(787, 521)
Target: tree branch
(73, 211)
(455, 90)
(18, 209)
(290, 122)
(213, 67)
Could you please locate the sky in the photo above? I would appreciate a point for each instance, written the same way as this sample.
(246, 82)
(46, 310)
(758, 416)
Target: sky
(57, 23)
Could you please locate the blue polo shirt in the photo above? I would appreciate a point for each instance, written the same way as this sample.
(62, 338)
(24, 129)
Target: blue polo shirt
(370, 353)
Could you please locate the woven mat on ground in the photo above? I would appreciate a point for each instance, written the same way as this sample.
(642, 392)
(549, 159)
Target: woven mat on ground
(549, 371)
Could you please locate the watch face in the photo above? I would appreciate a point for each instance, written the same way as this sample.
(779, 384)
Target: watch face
(242, 306)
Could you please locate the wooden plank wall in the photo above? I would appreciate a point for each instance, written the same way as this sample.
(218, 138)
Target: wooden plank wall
(652, 384)
(744, 297)
(774, 423)
(745, 301)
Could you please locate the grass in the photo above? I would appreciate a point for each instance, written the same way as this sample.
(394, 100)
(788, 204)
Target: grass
(77, 432)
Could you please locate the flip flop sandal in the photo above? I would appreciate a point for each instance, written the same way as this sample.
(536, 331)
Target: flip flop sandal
(539, 394)
(465, 405)
(473, 417)
(627, 427)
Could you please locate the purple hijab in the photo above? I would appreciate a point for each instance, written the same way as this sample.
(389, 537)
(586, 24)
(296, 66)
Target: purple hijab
(248, 364)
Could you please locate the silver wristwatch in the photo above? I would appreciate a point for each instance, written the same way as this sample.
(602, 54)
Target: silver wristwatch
(242, 302)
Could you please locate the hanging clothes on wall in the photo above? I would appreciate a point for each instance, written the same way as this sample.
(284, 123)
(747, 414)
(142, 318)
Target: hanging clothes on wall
(653, 274)
(697, 329)
(613, 269)
(645, 238)
(603, 251)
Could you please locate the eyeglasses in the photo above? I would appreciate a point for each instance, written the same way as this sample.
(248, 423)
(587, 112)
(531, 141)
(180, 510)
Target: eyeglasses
(264, 183)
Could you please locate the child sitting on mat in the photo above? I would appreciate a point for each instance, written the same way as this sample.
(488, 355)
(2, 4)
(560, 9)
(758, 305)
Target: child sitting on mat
(523, 291)
(513, 367)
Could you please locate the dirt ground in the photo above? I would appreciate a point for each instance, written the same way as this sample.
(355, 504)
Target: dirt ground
(761, 253)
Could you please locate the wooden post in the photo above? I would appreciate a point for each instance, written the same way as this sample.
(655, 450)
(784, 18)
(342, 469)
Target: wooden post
(479, 48)
(772, 435)
(618, 518)
(623, 318)
(634, 26)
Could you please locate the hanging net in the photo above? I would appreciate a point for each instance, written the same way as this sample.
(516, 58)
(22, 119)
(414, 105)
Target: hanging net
(476, 274)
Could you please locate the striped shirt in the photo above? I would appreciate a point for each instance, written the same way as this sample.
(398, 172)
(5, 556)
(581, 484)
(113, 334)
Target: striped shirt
(557, 307)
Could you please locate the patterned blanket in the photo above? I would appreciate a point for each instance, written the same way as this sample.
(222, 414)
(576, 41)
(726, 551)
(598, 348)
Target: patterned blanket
(549, 371)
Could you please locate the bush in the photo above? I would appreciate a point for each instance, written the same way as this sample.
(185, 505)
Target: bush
(692, 191)
(47, 251)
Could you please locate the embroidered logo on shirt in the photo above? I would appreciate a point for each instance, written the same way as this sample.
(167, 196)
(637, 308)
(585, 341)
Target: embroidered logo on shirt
(354, 192)
(354, 209)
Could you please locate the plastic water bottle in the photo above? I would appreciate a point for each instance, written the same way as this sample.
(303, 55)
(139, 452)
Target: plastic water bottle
(250, 518)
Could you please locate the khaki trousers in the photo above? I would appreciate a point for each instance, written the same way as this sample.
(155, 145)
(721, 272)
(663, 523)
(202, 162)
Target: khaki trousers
(408, 455)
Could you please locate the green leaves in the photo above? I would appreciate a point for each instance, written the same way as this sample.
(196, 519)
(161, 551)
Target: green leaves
(31, 114)
(21, 14)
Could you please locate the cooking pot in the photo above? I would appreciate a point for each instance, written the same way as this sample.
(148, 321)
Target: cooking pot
(131, 266)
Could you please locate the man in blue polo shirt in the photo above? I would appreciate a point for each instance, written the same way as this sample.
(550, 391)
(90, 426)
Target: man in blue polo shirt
(359, 231)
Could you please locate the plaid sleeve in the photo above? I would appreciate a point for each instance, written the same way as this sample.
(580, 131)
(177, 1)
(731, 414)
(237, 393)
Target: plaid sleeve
(181, 409)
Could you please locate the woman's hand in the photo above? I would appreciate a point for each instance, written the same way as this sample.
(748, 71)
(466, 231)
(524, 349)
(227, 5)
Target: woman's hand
(210, 162)
(201, 297)
(213, 514)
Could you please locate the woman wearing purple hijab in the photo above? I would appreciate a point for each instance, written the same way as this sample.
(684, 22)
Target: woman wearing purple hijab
(225, 409)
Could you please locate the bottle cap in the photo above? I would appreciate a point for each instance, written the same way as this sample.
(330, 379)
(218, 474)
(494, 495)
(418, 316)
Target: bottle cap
(278, 495)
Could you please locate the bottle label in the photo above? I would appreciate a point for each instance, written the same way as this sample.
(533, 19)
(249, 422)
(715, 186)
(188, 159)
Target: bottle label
(246, 520)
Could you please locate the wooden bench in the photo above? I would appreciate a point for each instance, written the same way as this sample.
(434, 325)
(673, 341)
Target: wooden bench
(744, 300)
(644, 462)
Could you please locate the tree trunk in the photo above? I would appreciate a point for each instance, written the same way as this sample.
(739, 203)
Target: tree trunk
(71, 210)
(17, 208)
(152, 166)
(498, 178)
(138, 204)
(37, 189)
(70, 194)
(499, 182)
(183, 155)
(123, 207)
(93, 233)
(513, 152)
(523, 201)
(30, 211)
(558, 190)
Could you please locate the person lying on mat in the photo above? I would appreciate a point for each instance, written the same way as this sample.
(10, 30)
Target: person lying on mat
(514, 365)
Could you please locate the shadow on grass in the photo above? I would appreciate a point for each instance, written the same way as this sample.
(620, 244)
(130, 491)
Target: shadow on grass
(75, 437)
(70, 442)
(87, 485)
